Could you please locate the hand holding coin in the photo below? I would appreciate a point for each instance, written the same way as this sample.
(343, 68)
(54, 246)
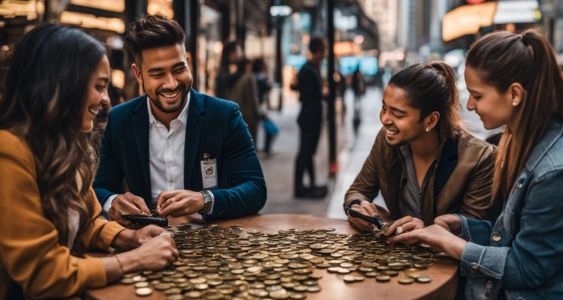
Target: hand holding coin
(404, 224)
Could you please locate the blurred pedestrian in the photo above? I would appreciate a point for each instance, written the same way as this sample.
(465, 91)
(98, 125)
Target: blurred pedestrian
(359, 88)
(310, 87)
(236, 83)
(50, 215)
(263, 88)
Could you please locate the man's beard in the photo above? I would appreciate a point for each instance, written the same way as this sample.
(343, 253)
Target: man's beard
(156, 101)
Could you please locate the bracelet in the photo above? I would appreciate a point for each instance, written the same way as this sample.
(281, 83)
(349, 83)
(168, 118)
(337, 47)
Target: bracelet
(119, 263)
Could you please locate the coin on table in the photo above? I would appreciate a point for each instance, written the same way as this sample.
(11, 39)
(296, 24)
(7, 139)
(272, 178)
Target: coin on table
(343, 270)
(313, 289)
(193, 295)
(349, 279)
(406, 280)
(279, 294)
(175, 297)
(141, 284)
(371, 274)
(258, 293)
(359, 278)
(127, 281)
(383, 278)
(297, 296)
(423, 279)
(143, 291)
(390, 272)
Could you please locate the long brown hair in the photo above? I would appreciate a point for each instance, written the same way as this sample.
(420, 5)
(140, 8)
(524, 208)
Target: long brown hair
(431, 87)
(45, 97)
(501, 59)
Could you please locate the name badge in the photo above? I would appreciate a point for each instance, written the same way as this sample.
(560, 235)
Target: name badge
(208, 171)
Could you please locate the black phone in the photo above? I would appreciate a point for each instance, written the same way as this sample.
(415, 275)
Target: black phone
(146, 220)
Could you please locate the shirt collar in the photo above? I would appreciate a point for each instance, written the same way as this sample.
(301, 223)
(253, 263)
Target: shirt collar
(182, 117)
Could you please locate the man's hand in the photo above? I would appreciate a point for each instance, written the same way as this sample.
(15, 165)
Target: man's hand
(179, 203)
(127, 204)
(366, 208)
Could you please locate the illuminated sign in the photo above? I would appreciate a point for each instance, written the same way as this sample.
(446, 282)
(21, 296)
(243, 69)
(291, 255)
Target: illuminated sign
(517, 12)
(91, 21)
(467, 19)
(109, 5)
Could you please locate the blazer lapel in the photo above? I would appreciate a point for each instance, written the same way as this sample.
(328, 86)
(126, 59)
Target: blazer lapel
(193, 130)
(140, 121)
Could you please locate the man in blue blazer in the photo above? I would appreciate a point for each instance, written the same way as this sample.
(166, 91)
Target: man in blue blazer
(178, 151)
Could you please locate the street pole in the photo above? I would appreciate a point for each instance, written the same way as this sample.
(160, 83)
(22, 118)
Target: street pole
(279, 61)
(333, 163)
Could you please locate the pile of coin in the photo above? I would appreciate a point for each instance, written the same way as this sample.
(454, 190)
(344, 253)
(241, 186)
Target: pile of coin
(232, 263)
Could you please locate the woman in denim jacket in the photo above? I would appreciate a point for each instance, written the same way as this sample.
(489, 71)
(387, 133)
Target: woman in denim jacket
(513, 81)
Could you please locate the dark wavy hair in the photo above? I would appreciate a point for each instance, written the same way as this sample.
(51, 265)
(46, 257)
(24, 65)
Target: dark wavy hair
(151, 32)
(431, 87)
(46, 89)
(501, 59)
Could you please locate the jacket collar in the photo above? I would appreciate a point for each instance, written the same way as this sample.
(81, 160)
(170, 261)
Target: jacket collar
(552, 134)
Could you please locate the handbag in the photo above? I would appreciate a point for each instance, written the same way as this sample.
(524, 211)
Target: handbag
(270, 127)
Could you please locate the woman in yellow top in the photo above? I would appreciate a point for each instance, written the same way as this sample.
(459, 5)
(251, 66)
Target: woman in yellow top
(49, 216)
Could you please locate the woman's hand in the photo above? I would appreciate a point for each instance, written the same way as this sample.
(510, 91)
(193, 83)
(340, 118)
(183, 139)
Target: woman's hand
(154, 254)
(436, 236)
(450, 222)
(129, 239)
(404, 224)
(366, 208)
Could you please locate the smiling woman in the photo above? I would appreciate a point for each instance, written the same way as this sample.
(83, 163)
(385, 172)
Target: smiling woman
(55, 87)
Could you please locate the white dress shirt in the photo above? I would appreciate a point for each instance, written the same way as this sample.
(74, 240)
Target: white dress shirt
(166, 155)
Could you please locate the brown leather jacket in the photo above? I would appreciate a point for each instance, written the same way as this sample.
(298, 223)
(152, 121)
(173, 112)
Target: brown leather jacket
(461, 182)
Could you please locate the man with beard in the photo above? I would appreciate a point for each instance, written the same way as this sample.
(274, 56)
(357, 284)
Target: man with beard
(423, 162)
(178, 151)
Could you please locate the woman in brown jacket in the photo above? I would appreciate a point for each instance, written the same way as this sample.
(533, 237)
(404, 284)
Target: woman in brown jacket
(49, 216)
(422, 161)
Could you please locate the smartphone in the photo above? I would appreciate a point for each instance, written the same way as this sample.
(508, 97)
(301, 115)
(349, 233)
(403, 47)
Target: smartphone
(146, 220)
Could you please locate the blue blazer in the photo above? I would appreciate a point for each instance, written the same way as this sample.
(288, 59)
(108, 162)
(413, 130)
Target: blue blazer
(214, 126)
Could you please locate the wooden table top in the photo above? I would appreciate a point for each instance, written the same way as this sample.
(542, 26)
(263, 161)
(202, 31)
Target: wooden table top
(443, 272)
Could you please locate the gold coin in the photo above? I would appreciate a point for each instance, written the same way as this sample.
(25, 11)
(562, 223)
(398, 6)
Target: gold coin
(141, 284)
(424, 279)
(383, 278)
(371, 274)
(313, 289)
(406, 280)
(349, 279)
(162, 286)
(127, 281)
(143, 292)
(359, 278)
(279, 294)
(390, 272)
(193, 295)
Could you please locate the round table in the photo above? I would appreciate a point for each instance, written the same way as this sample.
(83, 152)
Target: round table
(443, 272)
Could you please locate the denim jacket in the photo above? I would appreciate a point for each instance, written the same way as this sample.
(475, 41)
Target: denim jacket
(520, 256)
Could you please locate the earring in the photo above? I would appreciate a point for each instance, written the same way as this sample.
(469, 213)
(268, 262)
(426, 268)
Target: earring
(427, 129)
(514, 103)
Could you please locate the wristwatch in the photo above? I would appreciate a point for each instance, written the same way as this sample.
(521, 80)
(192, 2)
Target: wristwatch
(207, 202)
